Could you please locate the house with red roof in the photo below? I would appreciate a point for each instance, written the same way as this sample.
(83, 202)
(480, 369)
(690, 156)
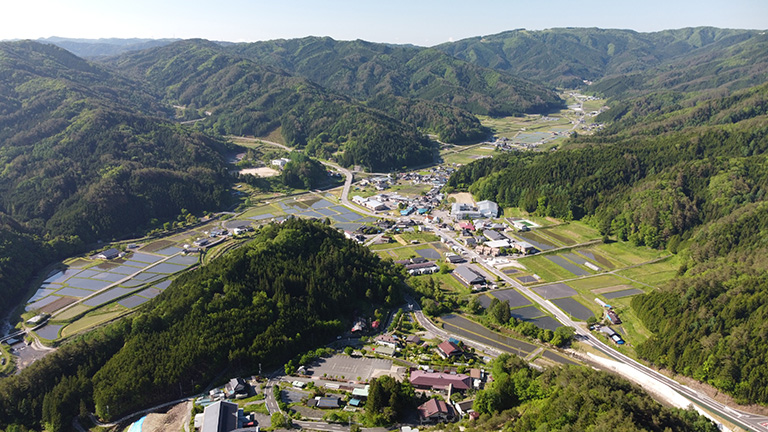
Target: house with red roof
(434, 411)
(439, 381)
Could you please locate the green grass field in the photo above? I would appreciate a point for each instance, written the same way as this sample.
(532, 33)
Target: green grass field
(421, 237)
(627, 255)
(656, 274)
(576, 232)
(465, 155)
(92, 320)
(546, 269)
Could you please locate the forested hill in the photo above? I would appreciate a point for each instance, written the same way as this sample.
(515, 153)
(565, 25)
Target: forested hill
(686, 59)
(244, 98)
(363, 70)
(693, 179)
(85, 157)
(294, 287)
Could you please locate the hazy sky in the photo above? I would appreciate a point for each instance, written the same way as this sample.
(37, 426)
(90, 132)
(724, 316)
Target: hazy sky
(419, 22)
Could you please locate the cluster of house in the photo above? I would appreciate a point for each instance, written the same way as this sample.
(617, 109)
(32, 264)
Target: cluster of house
(436, 410)
(419, 266)
(612, 335)
(483, 209)
(221, 415)
(437, 176)
(508, 145)
(422, 204)
(380, 183)
(496, 243)
(280, 163)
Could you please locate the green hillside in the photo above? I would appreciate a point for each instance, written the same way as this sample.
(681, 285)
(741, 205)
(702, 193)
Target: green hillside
(244, 98)
(295, 286)
(619, 61)
(86, 156)
(363, 70)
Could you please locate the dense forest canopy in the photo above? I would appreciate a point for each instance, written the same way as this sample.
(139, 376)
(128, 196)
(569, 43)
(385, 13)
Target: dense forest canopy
(572, 398)
(364, 70)
(295, 286)
(244, 98)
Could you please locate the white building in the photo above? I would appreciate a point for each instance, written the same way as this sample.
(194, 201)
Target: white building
(464, 211)
(280, 162)
(488, 209)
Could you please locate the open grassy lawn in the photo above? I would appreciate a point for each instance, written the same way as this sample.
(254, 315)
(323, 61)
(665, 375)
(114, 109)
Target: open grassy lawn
(465, 155)
(587, 284)
(72, 312)
(272, 209)
(515, 212)
(92, 320)
(421, 237)
(398, 252)
(410, 189)
(449, 282)
(628, 255)
(546, 269)
(575, 232)
(655, 274)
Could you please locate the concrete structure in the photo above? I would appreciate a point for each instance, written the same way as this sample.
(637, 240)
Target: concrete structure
(469, 275)
(220, 416)
(524, 247)
(488, 209)
(464, 211)
(280, 162)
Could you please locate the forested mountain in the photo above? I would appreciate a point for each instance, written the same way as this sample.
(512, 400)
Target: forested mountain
(248, 99)
(684, 59)
(89, 48)
(572, 399)
(86, 156)
(295, 286)
(363, 70)
(692, 178)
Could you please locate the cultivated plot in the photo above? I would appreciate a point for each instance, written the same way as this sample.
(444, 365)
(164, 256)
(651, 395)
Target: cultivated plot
(568, 265)
(526, 313)
(554, 291)
(145, 258)
(124, 270)
(547, 354)
(109, 276)
(574, 308)
(164, 284)
(132, 301)
(262, 216)
(574, 258)
(42, 302)
(50, 331)
(514, 298)
(107, 296)
(166, 268)
(42, 292)
(623, 293)
(428, 253)
(62, 276)
(150, 292)
(471, 330)
(526, 279)
(74, 292)
(185, 260)
(169, 251)
(89, 284)
(546, 322)
(537, 241)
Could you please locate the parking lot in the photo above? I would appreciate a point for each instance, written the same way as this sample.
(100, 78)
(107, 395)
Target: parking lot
(348, 368)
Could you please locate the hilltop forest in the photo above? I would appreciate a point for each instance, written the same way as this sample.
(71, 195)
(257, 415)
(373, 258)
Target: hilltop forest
(295, 285)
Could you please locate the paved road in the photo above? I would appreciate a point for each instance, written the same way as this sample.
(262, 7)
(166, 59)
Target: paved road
(348, 175)
(741, 418)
